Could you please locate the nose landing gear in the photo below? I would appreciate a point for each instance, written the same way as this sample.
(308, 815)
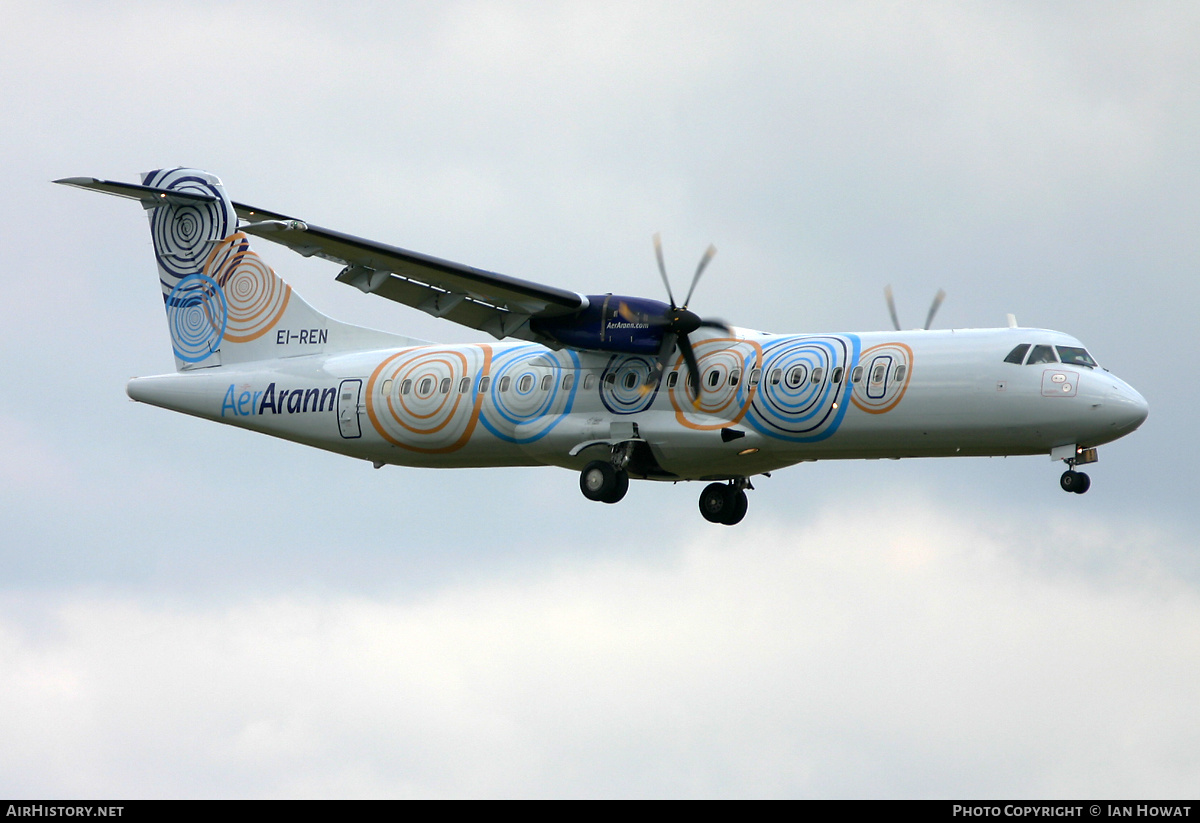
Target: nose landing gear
(1071, 480)
(725, 503)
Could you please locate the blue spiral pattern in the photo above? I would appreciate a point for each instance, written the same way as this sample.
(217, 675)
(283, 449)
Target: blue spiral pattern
(797, 409)
(618, 397)
(526, 412)
(196, 315)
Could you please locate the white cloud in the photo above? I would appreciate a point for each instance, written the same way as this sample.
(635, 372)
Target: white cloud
(915, 654)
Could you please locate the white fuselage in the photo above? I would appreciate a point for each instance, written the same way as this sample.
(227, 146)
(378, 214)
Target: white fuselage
(766, 401)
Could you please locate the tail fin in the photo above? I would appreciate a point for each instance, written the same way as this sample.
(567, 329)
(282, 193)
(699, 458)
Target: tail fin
(224, 304)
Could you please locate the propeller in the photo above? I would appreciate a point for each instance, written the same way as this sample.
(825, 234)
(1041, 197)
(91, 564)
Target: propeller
(677, 323)
(891, 303)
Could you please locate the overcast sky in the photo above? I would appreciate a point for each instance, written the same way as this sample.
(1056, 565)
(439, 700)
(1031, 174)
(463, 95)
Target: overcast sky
(192, 610)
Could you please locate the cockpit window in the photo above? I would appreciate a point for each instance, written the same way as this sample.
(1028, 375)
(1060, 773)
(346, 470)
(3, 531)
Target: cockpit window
(1041, 354)
(1075, 356)
(1017, 354)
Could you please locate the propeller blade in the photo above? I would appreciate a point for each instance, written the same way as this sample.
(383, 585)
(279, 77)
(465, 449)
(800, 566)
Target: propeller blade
(664, 354)
(662, 267)
(709, 254)
(937, 303)
(689, 357)
(714, 323)
(891, 302)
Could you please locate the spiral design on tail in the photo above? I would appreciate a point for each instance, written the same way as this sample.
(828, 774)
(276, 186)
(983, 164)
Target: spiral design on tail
(181, 233)
(196, 314)
(257, 297)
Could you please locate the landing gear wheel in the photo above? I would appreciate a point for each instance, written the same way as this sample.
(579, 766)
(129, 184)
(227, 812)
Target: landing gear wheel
(722, 503)
(1073, 481)
(738, 510)
(601, 481)
(1084, 483)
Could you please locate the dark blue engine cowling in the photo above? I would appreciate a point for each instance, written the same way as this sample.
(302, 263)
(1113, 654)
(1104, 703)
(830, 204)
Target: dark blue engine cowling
(611, 322)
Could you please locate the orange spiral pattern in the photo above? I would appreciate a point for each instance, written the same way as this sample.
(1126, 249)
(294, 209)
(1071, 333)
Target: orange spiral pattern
(406, 403)
(257, 297)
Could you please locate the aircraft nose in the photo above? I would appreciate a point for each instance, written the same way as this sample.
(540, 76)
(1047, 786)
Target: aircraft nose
(1127, 408)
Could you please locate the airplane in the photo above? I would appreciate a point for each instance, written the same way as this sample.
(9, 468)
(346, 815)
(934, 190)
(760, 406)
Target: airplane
(612, 387)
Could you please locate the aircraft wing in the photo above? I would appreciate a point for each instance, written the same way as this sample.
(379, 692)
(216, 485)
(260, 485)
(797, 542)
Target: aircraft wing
(494, 303)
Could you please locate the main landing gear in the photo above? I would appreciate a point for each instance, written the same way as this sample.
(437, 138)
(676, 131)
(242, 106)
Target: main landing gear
(607, 481)
(601, 480)
(725, 503)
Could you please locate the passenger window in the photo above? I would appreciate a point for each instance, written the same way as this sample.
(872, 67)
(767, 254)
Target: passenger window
(484, 382)
(631, 380)
(464, 385)
(547, 382)
(837, 375)
(734, 377)
(796, 376)
(610, 379)
(406, 387)
(755, 376)
(426, 385)
(900, 370)
(1041, 354)
(1076, 356)
(878, 373)
(525, 383)
(856, 375)
(818, 372)
(589, 380)
(672, 379)
(446, 382)
(504, 383)
(1017, 354)
(386, 388)
(776, 376)
(568, 381)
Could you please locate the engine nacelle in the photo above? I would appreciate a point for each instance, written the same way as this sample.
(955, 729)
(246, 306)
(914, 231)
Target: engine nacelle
(611, 322)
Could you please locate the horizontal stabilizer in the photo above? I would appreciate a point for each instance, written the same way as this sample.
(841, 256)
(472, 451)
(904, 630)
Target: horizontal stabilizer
(150, 196)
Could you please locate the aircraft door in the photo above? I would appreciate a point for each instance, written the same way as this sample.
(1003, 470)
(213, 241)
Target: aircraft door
(877, 376)
(349, 393)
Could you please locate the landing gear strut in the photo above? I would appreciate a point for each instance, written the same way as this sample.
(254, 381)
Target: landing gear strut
(724, 503)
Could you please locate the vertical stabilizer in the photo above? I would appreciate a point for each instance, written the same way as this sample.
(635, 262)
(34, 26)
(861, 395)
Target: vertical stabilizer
(224, 304)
